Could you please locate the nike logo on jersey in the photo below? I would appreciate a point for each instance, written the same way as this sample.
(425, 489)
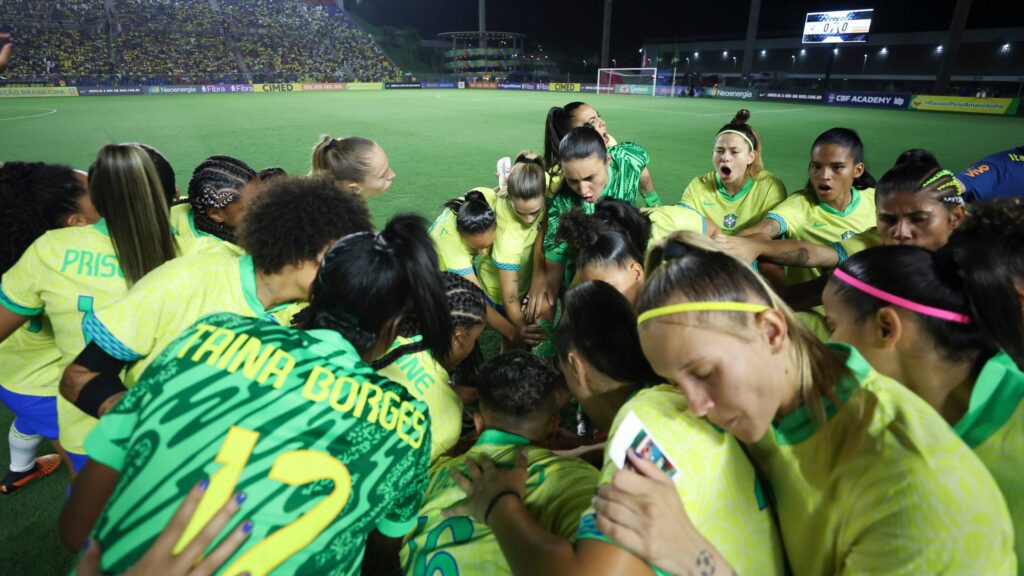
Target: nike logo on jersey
(706, 203)
(817, 225)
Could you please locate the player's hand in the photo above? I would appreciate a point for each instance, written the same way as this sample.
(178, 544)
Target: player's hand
(540, 304)
(532, 334)
(744, 249)
(6, 51)
(642, 511)
(161, 560)
(485, 481)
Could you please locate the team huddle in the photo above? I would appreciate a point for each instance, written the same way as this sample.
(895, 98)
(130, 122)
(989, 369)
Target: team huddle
(257, 378)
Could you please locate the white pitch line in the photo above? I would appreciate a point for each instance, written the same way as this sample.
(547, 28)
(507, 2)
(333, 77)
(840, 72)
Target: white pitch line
(47, 113)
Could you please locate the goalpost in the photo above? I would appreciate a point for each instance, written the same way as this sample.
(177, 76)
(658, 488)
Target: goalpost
(642, 81)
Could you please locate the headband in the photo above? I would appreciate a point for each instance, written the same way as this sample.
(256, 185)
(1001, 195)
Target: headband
(902, 302)
(701, 307)
(741, 135)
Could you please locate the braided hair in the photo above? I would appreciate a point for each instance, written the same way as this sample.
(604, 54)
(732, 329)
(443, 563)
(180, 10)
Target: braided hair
(467, 305)
(215, 184)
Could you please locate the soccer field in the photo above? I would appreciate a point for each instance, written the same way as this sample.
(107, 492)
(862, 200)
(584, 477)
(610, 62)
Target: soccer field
(440, 143)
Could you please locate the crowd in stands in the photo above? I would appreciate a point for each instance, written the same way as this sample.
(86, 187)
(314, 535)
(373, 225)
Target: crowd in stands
(188, 41)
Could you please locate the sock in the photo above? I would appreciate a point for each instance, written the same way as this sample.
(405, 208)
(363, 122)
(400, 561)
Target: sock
(23, 450)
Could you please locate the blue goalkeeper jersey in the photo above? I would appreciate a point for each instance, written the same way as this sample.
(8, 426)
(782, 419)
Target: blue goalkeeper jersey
(996, 176)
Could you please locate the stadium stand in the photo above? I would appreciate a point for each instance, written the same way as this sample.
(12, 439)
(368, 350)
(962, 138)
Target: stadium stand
(189, 42)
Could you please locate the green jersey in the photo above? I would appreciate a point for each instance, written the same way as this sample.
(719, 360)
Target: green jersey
(628, 161)
(324, 448)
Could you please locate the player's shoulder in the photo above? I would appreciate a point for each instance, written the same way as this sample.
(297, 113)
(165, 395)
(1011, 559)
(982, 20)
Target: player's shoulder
(704, 182)
(803, 200)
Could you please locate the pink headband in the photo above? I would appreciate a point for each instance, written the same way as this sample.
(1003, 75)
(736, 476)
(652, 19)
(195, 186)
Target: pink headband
(902, 302)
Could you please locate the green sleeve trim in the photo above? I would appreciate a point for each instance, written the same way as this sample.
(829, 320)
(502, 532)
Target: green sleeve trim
(396, 529)
(17, 308)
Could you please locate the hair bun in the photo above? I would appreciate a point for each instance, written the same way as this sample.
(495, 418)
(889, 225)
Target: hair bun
(741, 117)
(529, 157)
(918, 156)
(476, 196)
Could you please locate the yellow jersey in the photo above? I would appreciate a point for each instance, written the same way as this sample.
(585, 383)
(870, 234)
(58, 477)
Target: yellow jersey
(803, 217)
(171, 298)
(857, 243)
(667, 220)
(994, 428)
(884, 487)
(192, 240)
(707, 195)
(716, 482)
(558, 490)
(66, 274)
(453, 255)
(512, 250)
(30, 359)
(427, 381)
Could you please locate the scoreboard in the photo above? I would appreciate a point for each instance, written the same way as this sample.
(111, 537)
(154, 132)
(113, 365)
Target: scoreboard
(837, 27)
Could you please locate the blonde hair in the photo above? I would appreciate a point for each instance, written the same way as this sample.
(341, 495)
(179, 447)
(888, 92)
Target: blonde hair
(126, 191)
(527, 179)
(342, 159)
(691, 267)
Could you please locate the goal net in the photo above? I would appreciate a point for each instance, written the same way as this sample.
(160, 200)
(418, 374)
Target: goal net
(642, 81)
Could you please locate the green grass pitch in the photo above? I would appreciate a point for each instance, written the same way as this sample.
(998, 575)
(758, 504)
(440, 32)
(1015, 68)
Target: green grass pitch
(440, 143)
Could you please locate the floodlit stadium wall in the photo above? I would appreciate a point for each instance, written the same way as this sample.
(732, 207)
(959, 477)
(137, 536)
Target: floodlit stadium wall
(926, 102)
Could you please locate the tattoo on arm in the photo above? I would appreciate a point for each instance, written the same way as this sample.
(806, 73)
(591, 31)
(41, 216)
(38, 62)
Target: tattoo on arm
(794, 257)
(705, 563)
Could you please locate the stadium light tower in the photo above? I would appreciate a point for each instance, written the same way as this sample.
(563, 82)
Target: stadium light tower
(483, 23)
(952, 44)
(606, 34)
(748, 50)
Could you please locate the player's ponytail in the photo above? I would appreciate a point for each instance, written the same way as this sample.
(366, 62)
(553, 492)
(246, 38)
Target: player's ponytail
(850, 140)
(215, 185)
(473, 215)
(526, 179)
(989, 250)
(367, 281)
(608, 340)
(164, 170)
(617, 234)
(126, 191)
(557, 125)
(345, 160)
(740, 126)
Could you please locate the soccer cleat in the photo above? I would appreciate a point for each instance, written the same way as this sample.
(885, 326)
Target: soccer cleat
(45, 465)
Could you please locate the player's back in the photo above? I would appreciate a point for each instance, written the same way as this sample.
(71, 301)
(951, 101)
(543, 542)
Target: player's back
(558, 490)
(324, 449)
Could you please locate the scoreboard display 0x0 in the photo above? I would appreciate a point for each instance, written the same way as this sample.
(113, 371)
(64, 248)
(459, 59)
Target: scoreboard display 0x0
(837, 27)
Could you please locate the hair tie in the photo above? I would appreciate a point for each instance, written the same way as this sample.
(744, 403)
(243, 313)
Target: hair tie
(701, 307)
(741, 135)
(902, 302)
(382, 244)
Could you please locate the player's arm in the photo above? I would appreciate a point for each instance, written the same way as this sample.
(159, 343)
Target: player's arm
(10, 321)
(90, 492)
(382, 555)
(784, 252)
(554, 252)
(647, 189)
(766, 229)
(540, 302)
(494, 497)
(529, 334)
(93, 381)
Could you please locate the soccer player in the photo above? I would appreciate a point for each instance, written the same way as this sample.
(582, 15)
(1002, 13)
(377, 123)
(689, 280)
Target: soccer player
(613, 382)
(867, 477)
(608, 245)
(409, 363)
(506, 275)
(218, 194)
(69, 273)
(562, 119)
(34, 198)
(354, 163)
(317, 448)
(592, 171)
(284, 232)
(995, 176)
(518, 412)
(916, 204)
(838, 202)
(464, 234)
(908, 311)
(739, 192)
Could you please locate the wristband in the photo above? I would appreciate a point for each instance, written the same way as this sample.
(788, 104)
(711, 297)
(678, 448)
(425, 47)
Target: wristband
(651, 199)
(497, 497)
(97, 391)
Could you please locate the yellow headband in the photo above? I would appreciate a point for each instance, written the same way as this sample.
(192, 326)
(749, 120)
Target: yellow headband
(701, 307)
(741, 135)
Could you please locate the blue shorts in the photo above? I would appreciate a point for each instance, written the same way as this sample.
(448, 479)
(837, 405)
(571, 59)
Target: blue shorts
(33, 415)
(77, 462)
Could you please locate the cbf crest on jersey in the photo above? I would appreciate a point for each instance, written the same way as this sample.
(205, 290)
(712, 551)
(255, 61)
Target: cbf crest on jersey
(730, 221)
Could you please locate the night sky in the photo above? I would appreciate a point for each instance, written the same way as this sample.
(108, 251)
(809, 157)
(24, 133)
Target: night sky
(575, 25)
